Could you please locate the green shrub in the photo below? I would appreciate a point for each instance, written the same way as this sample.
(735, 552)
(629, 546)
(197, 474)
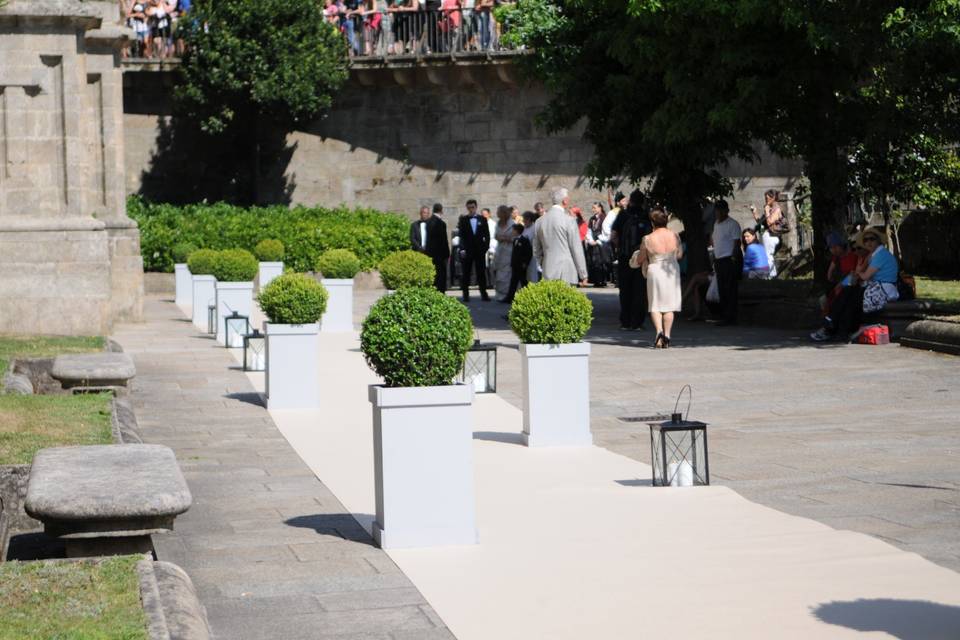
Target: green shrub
(201, 262)
(550, 312)
(235, 265)
(293, 298)
(182, 251)
(269, 250)
(338, 263)
(416, 338)
(405, 269)
(306, 232)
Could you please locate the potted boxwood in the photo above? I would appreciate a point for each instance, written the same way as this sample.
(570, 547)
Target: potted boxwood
(551, 318)
(404, 269)
(270, 254)
(293, 304)
(234, 270)
(416, 340)
(200, 263)
(337, 268)
(183, 281)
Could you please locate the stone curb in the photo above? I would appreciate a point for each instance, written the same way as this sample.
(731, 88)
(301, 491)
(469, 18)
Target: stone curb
(170, 602)
(933, 335)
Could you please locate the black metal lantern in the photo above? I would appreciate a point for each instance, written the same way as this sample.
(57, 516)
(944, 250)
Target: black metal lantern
(235, 327)
(678, 450)
(212, 319)
(254, 351)
(480, 368)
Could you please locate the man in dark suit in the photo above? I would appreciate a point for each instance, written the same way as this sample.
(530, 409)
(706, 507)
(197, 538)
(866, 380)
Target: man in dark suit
(428, 235)
(474, 237)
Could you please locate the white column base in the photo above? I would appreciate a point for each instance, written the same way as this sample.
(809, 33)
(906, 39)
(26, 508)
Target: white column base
(339, 315)
(204, 294)
(293, 366)
(556, 395)
(268, 271)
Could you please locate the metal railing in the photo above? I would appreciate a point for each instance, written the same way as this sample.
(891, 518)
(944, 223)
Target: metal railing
(399, 32)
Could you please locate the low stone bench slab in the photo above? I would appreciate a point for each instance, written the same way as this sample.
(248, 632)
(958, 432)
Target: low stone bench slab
(93, 370)
(106, 499)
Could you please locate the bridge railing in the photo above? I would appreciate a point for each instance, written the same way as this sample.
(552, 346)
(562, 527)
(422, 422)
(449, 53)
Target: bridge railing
(396, 32)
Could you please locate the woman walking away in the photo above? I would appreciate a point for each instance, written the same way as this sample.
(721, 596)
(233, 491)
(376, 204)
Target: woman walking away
(754, 257)
(658, 257)
(771, 225)
(503, 232)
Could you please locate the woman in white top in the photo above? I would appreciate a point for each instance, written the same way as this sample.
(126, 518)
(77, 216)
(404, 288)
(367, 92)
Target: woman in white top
(658, 257)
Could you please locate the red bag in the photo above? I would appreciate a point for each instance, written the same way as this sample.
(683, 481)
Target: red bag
(877, 334)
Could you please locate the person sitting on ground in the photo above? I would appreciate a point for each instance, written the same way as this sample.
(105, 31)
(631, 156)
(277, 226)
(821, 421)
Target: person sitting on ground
(519, 261)
(755, 264)
(877, 285)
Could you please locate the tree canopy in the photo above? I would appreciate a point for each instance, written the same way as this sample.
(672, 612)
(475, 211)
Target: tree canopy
(249, 59)
(670, 89)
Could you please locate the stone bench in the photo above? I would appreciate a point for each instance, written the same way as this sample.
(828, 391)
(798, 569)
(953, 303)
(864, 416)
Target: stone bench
(93, 370)
(106, 499)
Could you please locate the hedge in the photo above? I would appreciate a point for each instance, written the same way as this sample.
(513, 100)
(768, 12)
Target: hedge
(306, 232)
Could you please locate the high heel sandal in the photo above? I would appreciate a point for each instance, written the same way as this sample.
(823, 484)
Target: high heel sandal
(658, 343)
(666, 342)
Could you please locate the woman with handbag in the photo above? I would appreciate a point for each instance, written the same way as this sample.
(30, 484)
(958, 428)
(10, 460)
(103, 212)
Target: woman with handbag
(771, 226)
(658, 257)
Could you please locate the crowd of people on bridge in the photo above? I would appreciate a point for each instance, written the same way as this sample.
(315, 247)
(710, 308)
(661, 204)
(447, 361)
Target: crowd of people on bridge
(633, 247)
(370, 27)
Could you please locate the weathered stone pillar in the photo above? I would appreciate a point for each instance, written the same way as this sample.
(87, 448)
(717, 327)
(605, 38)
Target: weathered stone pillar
(69, 255)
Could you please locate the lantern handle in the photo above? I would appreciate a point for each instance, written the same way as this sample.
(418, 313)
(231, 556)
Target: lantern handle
(689, 401)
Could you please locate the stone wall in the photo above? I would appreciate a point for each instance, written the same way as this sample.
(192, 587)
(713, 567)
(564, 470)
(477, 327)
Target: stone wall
(69, 256)
(398, 138)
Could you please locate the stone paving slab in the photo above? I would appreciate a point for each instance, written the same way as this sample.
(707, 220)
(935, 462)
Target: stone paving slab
(272, 553)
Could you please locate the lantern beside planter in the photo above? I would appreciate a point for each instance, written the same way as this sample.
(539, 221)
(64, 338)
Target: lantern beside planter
(480, 368)
(678, 453)
(235, 328)
(254, 351)
(233, 297)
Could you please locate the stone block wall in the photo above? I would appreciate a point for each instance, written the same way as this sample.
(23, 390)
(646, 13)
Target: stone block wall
(399, 138)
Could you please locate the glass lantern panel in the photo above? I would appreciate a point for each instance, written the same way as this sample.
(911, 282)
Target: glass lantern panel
(235, 328)
(679, 457)
(254, 354)
(480, 370)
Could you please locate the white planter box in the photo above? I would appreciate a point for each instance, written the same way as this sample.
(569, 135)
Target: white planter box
(423, 466)
(339, 315)
(269, 271)
(293, 366)
(232, 296)
(184, 283)
(204, 294)
(556, 394)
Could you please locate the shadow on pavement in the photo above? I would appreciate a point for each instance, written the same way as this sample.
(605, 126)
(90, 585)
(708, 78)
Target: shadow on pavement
(904, 619)
(338, 525)
(498, 436)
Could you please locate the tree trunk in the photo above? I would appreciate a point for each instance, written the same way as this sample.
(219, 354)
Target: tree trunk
(828, 197)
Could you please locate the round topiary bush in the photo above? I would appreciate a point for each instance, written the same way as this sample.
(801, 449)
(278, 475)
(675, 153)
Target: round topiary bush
(293, 298)
(405, 269)
(550, 312)
(269, 250)
(416, 338)
(182, 251)
(235, 265)
(338, 263)
(201, 261)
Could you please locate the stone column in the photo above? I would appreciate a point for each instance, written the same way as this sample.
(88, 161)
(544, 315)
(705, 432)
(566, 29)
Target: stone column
(69, 256)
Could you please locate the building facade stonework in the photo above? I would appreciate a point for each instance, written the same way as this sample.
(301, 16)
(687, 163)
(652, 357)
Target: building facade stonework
(69, 256)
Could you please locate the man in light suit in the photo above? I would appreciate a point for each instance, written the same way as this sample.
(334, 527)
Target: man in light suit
(556, 243)
(428, 235)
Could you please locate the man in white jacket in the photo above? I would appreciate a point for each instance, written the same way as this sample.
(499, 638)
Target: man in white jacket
(556, 243)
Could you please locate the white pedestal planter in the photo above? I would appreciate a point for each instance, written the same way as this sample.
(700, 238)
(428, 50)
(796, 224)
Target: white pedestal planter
(232, 296)
(204, 294)
(556, 394)
(293, 366)
(339, 315)
(423, 466)
(269, 271)
(184, 285)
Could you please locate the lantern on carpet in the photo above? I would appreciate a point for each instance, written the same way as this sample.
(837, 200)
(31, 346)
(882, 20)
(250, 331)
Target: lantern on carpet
(254, 351)
(235, 327)
(480, 368)
(678, 450)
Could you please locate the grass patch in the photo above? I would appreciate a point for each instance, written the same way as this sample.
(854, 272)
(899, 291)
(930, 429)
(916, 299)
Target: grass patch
(30, 423)
(75, 600)
(44, 347)
(937, 290)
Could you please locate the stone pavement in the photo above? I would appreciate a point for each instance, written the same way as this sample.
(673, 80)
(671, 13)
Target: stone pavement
(272, 552)
(858, 437)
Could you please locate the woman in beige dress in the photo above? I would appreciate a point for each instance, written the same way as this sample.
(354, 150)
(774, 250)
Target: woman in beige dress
(503, 234)
(657, 257)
